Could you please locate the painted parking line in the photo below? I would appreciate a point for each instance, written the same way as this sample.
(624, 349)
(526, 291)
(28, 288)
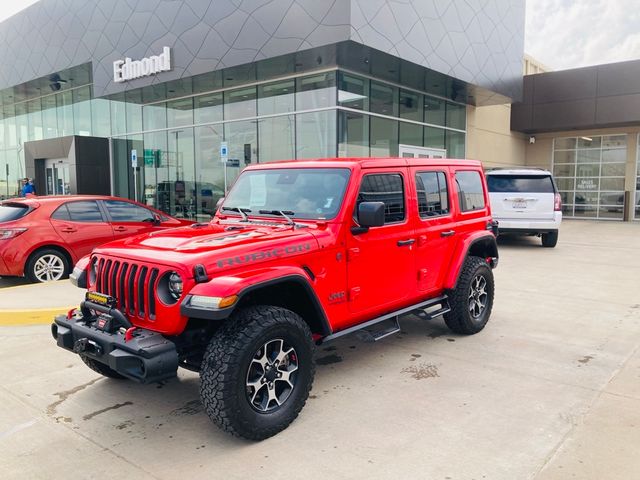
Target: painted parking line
(39, 316)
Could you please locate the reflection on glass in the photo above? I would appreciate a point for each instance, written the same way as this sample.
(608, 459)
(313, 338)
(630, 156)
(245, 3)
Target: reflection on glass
(240, 103)
(411, 134)
(616, 155)
(49, 117)
(588, 156)
(353, 134)
(64, 103)
(100, 117)
(314, 134)
(209, 169)
(180, 112)
(154, 116)
(353, 91)
(564, 156)
(454, 142)
(181, 169)
(565, 143)
(277, 138)
(241, 138)
(34, 119)
(82, 111)
(208, 108)
(276, 97)
(411, 107)
(154, 169)
(564, 170)
(384, 99)
(434, 111)
(384, 137)
(589, 142)
(316, 91)
(614, 141)
(588, 170)
(456, 116)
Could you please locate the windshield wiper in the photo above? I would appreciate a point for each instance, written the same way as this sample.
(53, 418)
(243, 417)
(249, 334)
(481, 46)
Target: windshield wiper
(284, 213)
(242, 211)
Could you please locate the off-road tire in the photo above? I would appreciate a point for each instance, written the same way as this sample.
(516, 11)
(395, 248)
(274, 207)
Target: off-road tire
(223, 374)
(101, 368)
(61, 260)
(459, 319)
(549, 240)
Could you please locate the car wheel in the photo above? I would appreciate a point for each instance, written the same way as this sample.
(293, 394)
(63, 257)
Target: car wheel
(549, 240)
(257, 372)
(47, 265)
(101, 368)
(472, 299)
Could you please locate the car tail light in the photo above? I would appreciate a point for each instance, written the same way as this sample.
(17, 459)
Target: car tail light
(7, 233)
(557, 204)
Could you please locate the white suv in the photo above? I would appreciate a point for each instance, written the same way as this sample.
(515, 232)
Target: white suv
(526, 201)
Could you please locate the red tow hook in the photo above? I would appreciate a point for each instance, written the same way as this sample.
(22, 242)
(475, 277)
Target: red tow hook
(71, 313)
(128, 335)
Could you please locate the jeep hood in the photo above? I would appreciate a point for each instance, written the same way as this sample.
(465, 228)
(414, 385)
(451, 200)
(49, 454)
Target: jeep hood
(216, 246)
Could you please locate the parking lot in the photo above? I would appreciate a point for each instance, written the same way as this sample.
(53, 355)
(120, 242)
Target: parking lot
(550, 390)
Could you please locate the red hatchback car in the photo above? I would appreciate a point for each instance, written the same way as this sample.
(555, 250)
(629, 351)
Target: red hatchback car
(41, 238)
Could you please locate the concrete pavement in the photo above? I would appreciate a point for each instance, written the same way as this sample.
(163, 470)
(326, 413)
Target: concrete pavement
(549, 390)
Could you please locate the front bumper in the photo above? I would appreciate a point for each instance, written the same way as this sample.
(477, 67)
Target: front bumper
(146, 357)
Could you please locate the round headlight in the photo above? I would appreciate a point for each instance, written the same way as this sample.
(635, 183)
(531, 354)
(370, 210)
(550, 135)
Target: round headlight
(175, 285)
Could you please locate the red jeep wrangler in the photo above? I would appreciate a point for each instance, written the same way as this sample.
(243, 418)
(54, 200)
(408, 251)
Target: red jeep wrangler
(299, 253)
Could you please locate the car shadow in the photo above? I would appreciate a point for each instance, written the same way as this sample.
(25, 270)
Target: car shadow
(6, 282)
(519, 241)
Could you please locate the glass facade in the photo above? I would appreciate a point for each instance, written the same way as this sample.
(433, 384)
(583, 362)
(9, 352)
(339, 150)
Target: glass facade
(590, 172)
(177, 129)
(636, 210)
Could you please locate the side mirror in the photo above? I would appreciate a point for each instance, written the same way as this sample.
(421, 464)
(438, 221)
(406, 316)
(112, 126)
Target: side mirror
(156, 219)
(371, 214)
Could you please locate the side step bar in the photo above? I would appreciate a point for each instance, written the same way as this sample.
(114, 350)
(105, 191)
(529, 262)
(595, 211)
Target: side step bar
(422, 309)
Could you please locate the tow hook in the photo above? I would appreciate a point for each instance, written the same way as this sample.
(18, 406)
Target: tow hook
(84, 345)
(128, 335)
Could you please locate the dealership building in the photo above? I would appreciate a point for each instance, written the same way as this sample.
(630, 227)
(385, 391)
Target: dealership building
(147, 99)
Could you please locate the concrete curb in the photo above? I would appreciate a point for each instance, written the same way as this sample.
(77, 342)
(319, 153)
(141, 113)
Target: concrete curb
(37, 316)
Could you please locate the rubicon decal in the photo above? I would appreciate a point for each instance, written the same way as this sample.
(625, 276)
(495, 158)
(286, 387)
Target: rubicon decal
(263, 255)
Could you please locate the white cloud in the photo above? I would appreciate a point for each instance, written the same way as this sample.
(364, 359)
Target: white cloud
(568, 34)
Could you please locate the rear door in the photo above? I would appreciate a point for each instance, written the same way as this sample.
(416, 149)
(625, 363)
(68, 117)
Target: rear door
(521, 196)
(128, 218)
(81, 225)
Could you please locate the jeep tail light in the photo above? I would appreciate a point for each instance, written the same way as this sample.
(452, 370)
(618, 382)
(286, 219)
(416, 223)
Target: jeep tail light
(7, 233)
(557, 204)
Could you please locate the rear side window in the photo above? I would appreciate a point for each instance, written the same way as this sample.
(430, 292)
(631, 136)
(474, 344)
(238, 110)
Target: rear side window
(470, 192)
(10, 212)
(86, 211)
(433, 196)
(127, 212)
(520, 184)
(387, 188)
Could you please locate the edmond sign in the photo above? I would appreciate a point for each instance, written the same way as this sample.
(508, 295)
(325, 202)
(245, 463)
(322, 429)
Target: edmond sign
(127, 69)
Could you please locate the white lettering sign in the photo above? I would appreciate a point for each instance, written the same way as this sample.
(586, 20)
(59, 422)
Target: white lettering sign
(127, 69)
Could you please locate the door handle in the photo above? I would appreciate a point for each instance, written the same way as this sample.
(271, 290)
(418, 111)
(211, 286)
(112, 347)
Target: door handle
(405, 243)
(448, 233)
(120, 229)
(68, 230)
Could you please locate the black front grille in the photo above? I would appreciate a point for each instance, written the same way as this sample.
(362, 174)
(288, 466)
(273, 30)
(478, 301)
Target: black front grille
(131, 284)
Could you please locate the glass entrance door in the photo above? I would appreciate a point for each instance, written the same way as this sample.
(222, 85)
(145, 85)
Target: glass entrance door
(57, 176)
(413, 151)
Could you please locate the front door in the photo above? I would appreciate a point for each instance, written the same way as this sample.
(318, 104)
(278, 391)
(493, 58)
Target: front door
(57, 176)
(413, 151)
(381, 264)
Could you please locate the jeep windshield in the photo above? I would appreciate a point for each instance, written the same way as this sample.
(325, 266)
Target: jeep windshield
(302, 193)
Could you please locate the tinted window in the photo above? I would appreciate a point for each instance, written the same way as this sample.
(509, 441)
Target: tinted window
(432, 194)
(12, 212)
(470, 193)
(61, 213)
(127, 212)
(519, 183)
(386, 188)
(84, 212)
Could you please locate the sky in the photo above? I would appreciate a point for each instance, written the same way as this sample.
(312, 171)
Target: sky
(559, 33)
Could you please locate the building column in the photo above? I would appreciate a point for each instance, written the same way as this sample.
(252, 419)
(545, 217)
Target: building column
(630, 174)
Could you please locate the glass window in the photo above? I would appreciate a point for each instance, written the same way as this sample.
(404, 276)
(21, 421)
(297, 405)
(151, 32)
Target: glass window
(155, 169)
(612, 184)
(587, 184)
(82, 111)
(613, 169)
(10, 212)
(61, 213)
(565, 143)
(411, 107)
(118, 116)
(64, 103)
(411, 134)
(456, 116)
(100, 117)
(208, 108)
(34, 119)
(84, 211)
(353, 92)
(277, 138)
(134, 110)
(434, 137)
(433, 196)
(565, 156)
(127, 212)
(155, 116)
(303, 192)
(434, 110)
(180, 112)
(588, 156)
(455, 144)
(565, 183)
(564, 170)
(384, 137)
(240, 103)
(614, 141)
(315, 134)
(353, 134)
(181, 166)
(470, 191)
(589, 142)
(209, 169)
(520, 183)
(387, 188)
(241, 138)
(276, 97)
(588, 170)
(316, 91)
(613, 156)
(49, 117)
(384, 99)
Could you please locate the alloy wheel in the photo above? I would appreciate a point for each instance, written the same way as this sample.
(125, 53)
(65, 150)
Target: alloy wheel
(48, 268)
(478, 296)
